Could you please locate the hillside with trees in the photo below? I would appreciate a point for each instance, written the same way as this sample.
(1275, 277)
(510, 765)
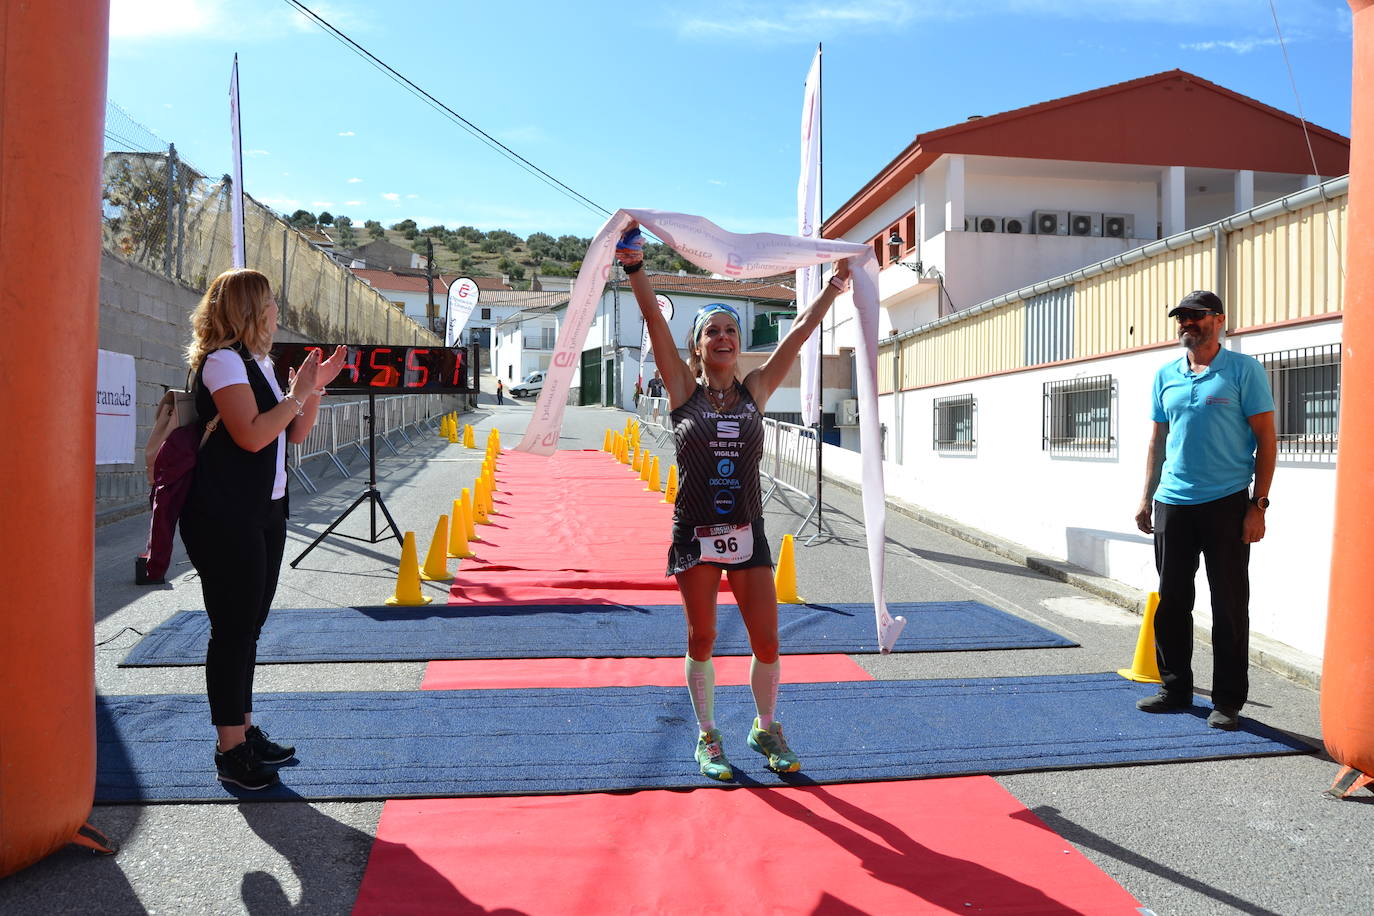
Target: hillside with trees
(471, 251)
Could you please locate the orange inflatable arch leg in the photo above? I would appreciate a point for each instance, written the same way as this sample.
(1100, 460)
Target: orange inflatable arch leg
(1347, 697)
(52, 109)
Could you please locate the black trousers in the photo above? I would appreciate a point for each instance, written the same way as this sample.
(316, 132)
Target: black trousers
(238, 566)
(1212, 530)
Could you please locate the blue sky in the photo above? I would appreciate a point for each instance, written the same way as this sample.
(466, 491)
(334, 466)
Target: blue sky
(677, 106)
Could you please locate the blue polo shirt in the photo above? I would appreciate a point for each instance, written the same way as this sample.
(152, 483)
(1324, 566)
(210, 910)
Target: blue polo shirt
(1210, 452)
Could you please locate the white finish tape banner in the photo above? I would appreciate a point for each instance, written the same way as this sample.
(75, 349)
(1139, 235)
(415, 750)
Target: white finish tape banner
(115, 384)
(462, 296)
(808, 224)
(742, 257)
(236, 154)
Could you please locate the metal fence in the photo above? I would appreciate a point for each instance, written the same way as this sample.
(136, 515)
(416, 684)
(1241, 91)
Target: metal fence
(160, 212)
(341, 428)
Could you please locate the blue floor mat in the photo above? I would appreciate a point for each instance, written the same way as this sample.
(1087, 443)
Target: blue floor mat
(524, 742)
(583, 631)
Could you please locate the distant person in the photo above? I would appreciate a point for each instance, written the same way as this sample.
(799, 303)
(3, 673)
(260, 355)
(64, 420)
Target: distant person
(500, 391)
(656, 386)
(718, 513)
(234, 521)
(1213, 434)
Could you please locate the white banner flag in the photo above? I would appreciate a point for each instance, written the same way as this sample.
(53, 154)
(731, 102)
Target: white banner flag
(646, 345)
(462, 296)
(809, 226)
(115, 384)
(236, 193)
(759, 254)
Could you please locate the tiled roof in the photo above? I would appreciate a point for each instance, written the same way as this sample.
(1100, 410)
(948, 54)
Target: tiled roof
(760, 288)
(416, 283)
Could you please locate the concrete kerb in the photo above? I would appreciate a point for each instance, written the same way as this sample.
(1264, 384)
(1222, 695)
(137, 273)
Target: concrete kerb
(1266, 653)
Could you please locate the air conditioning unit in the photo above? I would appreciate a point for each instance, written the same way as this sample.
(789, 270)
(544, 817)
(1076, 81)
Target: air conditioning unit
(849, 412)
(1118, 225)
(1085, 224)
(1015, 225)
(1050, 222)
(984, 223)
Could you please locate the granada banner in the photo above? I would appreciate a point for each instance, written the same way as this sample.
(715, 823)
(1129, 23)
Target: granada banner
(759, 254)
(236, 193)
(115, 384)
(462, 296)
(808, 225)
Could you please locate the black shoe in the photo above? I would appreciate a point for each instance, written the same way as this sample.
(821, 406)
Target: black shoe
(1224, 719)
(1164, 702)
(240, 765)
(268, 751)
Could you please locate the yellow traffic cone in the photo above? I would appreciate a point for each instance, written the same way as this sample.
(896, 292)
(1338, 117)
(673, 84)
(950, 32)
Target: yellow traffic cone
(469, 516)
(608, 442)
(635, 462)
(458, 534)
(497, 434)
(488, 488)
(453, 432)
(670, 491)
(469, 441)
(436, 561)
(443, 427)
(654, 484)
(408, 577)
(785, 579)
(1145, 667)
(479, 501)
(644, 467)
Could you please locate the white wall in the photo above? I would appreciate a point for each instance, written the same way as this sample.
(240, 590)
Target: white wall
(1011, 195)
(1082, 509)
(982, 265)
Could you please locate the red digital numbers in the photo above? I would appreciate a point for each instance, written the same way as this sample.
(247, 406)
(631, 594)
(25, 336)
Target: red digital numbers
(351, 360)
(386, 376)
(417, 375)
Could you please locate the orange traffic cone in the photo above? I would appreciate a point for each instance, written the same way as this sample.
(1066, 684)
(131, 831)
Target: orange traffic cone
(479, 501)
(644, 466)
(458, 534)
(1145, 667)
(436, 561)
(670, 491)
(785, 579)
(469, 516)
(654, 483)
(608, 442)
(408, 577)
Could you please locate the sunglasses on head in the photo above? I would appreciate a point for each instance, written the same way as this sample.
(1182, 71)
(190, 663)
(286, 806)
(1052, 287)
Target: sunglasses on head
(1193, 314)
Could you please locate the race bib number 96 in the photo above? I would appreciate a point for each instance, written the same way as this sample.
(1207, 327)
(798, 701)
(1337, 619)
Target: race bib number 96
(725, 543)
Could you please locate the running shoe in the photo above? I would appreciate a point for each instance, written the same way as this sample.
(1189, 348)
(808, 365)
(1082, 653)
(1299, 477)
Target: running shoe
(268, 751)
(770, 743)
(241, 766)
(711, 756)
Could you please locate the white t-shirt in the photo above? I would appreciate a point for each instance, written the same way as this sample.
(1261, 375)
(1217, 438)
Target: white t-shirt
(224, 368)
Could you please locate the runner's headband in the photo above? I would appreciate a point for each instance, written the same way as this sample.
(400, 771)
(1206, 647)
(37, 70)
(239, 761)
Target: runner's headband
(706, 311)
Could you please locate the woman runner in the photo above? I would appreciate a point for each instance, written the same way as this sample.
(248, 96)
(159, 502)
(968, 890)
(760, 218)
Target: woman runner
(718, 513)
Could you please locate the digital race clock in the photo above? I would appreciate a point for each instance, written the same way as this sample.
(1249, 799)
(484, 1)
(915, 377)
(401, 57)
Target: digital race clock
(383, 368)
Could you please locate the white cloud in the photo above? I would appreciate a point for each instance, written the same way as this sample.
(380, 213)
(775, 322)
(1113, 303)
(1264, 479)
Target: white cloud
(353, 203)
(256, 152)
(1239, 46)
(412, 197)
(354, 180)
(347, 133)
(391, 197)
(163, 18)
(281, 203)
(322, 203)
(714, 181)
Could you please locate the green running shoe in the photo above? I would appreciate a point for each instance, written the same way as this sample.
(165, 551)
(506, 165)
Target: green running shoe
(711, 756)
(771, 744)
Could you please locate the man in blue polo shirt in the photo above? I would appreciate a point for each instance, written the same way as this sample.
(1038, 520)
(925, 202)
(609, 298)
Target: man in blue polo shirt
(1213, 434)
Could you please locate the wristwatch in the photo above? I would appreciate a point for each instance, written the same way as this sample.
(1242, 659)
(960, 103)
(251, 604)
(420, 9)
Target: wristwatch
(1260, 502)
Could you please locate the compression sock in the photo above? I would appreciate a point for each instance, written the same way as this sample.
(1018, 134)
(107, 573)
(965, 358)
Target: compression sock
(763, 681)
(701, 684)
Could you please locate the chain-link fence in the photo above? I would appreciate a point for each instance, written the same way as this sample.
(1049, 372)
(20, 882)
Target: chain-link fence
(167, 216)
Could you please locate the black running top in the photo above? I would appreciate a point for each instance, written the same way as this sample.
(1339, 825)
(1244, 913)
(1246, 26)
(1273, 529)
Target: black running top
(718, 454)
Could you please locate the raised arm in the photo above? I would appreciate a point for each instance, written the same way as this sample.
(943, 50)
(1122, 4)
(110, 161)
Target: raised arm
(764, 380)
(677, 377)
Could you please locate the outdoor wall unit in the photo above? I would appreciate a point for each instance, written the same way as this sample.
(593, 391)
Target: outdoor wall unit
(1118, 225)
(1016, 225)
(849, 412)
(985, 223)
(1085, 224)
(1050, 222)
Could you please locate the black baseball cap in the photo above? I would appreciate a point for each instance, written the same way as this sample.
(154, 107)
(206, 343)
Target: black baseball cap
(1200, 300)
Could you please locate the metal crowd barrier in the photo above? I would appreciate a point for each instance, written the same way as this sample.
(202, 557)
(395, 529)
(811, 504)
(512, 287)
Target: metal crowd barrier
(789, 463)
(340, 427)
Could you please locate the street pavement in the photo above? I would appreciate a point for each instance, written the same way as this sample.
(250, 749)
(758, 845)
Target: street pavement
(1202, 837)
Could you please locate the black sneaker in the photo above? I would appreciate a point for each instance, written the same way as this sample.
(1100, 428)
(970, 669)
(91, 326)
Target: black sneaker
(1224, 719)
(268, 751)
(240, 766)
(1164, 702)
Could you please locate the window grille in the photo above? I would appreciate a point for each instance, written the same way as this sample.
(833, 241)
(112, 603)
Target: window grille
(953, 423)
(1078, 416)
(1306, 384)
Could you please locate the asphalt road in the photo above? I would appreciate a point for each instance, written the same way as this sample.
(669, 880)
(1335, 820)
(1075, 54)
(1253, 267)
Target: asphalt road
(1228, 836)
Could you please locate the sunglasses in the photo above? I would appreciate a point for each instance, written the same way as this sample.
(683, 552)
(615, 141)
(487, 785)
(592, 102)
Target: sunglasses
(1193, 314)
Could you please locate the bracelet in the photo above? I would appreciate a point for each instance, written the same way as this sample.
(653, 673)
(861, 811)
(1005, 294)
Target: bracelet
(300, 407)
(320, 392)
(631, 268)
(839, 284)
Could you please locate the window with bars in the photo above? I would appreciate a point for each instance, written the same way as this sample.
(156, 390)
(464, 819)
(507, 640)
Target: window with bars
(1307, 397)
(1078, 416)
(953, 423)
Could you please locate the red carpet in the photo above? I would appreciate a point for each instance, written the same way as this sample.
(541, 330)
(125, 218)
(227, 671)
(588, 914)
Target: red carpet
(574, 528)
(923, 846)
(516, 673)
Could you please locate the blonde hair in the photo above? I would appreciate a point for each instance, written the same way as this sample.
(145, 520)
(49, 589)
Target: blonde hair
(233, 310)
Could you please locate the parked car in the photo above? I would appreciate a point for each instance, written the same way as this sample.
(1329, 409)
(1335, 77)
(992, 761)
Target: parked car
(533, 384)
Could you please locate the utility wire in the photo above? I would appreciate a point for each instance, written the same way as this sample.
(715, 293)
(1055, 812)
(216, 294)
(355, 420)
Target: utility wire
(448, 112)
